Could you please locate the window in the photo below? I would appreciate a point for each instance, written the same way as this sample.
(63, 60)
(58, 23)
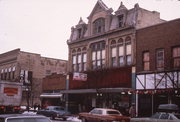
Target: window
(79, 33)
(79, 63)
(121, 52)
(121, 55)
(74, 63)
(98, 55)
(176, 57)
(13, 72)
(79, 60)
(128, 54)
(84, 57)
(120, 20)
(113, 54)
(128, 51)
(2, 76)
(5, 75)
(99, 26)
(146, 61)
(9, 73)
(160, 58)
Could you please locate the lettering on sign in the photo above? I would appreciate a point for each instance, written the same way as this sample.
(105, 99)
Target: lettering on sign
(10, 91)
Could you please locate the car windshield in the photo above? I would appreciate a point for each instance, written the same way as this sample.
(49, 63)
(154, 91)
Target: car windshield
(27, 120)
(113, 112)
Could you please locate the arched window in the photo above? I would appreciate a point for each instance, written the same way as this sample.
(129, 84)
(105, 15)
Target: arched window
(128, 50)
(113, 53)
(73, 51)
(79, 59)
(79, 50)
(120, 41)
(98, 55)
(98, 25)
(113, 42)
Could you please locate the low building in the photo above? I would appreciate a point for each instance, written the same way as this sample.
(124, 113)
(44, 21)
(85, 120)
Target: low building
(52, 86)
(28, 69)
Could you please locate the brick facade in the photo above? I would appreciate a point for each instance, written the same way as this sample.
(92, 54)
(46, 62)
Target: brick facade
(18, 61)
(165, 36)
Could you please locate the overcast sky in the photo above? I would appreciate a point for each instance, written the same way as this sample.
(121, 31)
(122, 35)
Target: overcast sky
(43, 26)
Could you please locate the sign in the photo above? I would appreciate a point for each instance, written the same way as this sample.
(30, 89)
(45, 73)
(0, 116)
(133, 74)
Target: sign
(10, 91)
(80, 76)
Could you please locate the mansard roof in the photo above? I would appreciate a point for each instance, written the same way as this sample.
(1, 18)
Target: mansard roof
(100, 6)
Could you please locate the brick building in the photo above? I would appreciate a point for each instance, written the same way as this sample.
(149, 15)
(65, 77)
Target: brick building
(51, 90)
(28, 69)
(158, 66)
(104, 49)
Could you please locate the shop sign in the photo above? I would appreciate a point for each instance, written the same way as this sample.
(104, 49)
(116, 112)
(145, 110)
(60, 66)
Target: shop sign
(10, 91)
(80, 76)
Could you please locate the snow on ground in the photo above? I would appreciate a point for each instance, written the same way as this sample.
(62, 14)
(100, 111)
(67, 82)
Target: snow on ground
(73, 119)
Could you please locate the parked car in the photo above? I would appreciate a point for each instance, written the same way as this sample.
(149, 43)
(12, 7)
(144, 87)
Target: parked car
(159, 117)
(23, 118)
(166, 113)
(55, 112)
(103, 115)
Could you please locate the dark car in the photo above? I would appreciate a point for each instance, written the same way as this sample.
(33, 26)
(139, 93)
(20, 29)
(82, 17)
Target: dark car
(55, 111)
(103, 115)
(23, 118)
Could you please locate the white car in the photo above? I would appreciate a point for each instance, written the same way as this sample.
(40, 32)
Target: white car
(159, 117)
(23, 118)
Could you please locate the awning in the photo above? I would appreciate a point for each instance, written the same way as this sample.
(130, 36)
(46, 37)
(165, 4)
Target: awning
(101, 90)
(79, 91)
(113, 90)
(51, 95)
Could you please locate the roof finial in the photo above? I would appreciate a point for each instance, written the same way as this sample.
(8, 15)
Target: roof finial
(121, 3)
(81, 21)
(121, 6)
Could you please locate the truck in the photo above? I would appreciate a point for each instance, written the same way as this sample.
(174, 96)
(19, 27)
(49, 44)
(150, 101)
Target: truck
(10, 97)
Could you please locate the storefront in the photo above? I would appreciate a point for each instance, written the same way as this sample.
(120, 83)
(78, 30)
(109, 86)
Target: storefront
(55, 99)
(156, 88)
(109, 88)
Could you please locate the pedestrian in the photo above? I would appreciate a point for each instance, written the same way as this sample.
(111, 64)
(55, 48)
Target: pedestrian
(132, 111)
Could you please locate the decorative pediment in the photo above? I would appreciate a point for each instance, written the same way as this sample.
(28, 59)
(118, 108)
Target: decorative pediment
(100, 6)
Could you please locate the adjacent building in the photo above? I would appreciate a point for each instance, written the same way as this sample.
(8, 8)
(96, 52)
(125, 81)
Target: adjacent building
(29, 69)
(102, 56)
(157, 66)
(52, 86)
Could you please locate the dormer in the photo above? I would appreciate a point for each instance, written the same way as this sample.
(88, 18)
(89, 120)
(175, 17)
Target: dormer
(99, 19)
(121, 15)
(81, 28)
(78, 31)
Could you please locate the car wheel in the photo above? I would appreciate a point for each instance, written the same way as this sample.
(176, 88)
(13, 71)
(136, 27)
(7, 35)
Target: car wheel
(84, 120)
(52, 117)
(64, 119)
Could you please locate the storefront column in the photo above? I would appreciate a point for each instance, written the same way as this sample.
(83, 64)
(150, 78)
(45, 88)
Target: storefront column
(67, 88)
(133, 82)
